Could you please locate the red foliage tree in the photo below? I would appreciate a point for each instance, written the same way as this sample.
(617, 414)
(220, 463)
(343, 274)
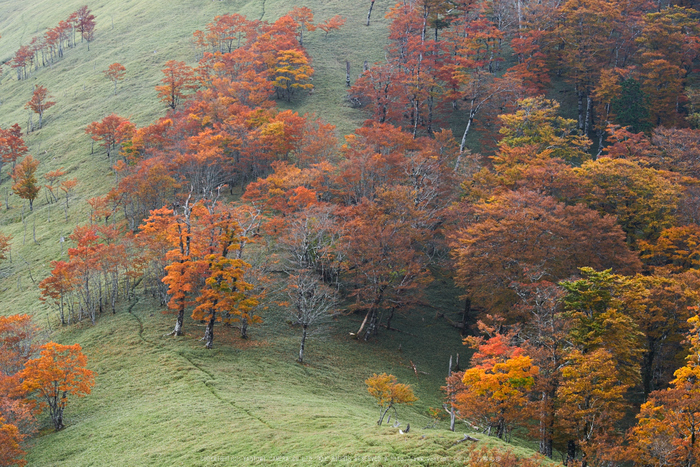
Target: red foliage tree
(40, 102)
(115, 72)
(12, 145)
(178, 82)
(111, 130)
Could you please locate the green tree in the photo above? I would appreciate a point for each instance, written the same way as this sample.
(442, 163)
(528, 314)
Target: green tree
(631, 107)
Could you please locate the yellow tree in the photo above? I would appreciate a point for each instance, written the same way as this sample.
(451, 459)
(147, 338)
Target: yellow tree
(590, 399)
(389, 392)
(291, 72)
(643, 199)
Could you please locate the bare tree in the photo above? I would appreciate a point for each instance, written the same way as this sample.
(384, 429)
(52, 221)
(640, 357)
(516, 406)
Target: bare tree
(313, 303)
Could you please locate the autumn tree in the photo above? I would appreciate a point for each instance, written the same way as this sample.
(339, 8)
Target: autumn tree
(291, 73)
(544, 335)
(677, 249)
(591, 400)
(19, 341)
(304, 17)
(603, 361)
(389, 393)
(662, 319)
(390, 272)
(667, 430)
(58, 287)
(4, 245)
(115, 72)
(52, 178)
(84, 22)
(526, 237)
(642, 199)
(331, 24)
(59, 371)
(178, 83)
(496, 387)
(12, 145)
(187, 236)
(40, 102)
(225, 293)
(25, 182)
(11, 452)
(111, 131)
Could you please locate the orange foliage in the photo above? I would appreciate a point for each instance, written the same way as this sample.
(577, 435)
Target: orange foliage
(59, 371)
(25, 182)
(178, 83)
(388, 393)
(115, 72)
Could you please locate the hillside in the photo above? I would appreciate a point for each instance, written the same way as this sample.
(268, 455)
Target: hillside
(160, 401)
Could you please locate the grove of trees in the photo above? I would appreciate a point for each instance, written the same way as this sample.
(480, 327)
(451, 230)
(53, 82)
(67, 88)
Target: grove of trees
(572, 233)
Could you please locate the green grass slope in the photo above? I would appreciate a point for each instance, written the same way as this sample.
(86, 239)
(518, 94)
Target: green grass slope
(164, 401)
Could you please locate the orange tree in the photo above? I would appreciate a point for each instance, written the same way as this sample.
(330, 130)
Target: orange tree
(178, 82)
(185, 264)
(224, 293)
(59, 371)
(10, 450)
(496, 387)
(4, 245)
(115, 72)
(389, 393)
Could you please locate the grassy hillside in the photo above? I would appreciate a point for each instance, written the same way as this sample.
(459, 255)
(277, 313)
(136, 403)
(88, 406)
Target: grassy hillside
(160, 401)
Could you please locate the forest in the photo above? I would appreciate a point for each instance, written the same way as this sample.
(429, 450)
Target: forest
(539, 161)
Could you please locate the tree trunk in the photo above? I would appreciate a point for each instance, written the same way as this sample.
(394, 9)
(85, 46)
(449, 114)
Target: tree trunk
(587, 121)
(648, 372)
(244, 328)
(472, 114)
(580, 110)
(382, 415)
(372, 325)
(303, 343)
(209, 331)
(465, 315)
(369, 13)
(178, 321)
(570, 452)
(452, 407)
(391, 315)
